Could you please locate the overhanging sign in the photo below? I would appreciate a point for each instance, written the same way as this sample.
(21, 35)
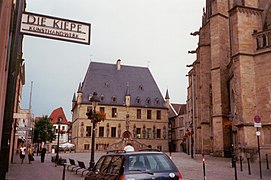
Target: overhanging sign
(55, 28)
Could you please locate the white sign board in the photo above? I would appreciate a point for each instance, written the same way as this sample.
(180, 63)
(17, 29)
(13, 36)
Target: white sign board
(259, 125)
(22, 128)
(21, 115)
(55, 28)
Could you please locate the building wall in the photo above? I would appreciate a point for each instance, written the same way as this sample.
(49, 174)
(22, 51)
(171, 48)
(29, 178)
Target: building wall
(236, 47)
(5, 15)
(80, 123)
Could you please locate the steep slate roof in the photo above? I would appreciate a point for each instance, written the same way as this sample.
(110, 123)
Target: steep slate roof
(109, 82)
(56, 114)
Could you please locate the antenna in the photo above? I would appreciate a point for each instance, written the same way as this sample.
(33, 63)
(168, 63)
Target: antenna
(30, 98)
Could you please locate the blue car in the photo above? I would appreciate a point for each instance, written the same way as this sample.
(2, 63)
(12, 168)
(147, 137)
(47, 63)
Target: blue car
(134, 166)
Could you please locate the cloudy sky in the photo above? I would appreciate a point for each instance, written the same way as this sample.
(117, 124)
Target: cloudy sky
(148, 33)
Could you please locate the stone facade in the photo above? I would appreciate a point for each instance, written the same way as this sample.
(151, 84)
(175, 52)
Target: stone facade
(128, 116)
(229, 82)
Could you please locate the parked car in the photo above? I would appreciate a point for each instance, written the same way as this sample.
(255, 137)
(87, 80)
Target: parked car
(121, 165)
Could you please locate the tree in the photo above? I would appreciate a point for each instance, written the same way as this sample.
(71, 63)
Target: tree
(43, 130)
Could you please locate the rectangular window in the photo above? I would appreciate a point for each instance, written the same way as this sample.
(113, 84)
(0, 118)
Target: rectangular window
(138, 132)
(86, 146)
(138, 113)
(159, 148)
(148, 114)
(148, 133)
(113, 131)
(88, 131)
(173, 135)
(101, 109)
(181, 122)
(101, 131)
(114, 112)
(158, 133)
(158, 115)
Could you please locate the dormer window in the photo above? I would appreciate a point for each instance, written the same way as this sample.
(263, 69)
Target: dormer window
(141, 87)
(148, 100)
(102, 97)
(138, 100)
(114, 99)
(90, 96)
(107, 84)
(157, 101)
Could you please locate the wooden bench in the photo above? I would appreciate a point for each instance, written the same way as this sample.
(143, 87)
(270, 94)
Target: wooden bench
(82, 166)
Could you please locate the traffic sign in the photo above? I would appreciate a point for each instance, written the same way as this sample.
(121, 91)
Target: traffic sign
(258, 125)
(257, 119)
(258, 133)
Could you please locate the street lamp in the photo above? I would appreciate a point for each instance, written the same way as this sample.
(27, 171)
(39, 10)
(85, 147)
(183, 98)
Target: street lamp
(38, 141)
(58, 131)
(94, 99)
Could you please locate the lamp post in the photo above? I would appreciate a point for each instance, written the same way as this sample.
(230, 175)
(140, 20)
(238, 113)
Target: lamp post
(38, 140)
(192, 140)
(58, 131)
(94, 99)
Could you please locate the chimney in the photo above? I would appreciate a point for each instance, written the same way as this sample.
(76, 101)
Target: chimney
(118, 64)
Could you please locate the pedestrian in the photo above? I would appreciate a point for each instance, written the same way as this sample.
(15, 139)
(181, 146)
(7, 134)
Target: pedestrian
(22, 152)
(43, 152)
(30, 154)
(129, 147)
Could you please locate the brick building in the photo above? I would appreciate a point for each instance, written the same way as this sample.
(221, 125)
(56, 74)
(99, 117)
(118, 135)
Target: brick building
(135, 109)
(11, 77)
(230, 80)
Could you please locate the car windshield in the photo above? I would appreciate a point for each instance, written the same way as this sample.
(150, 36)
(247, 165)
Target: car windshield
(149, 162)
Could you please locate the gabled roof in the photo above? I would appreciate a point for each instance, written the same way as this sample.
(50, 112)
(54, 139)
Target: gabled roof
(111, 84)
(56, 114)
(179, 108)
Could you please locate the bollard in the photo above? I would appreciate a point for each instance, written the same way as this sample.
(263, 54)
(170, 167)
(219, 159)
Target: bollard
(203, 163)
(267, 164)
(235, 168)
(170, 155)
(241, 165)
(248, 165)
(64, 169)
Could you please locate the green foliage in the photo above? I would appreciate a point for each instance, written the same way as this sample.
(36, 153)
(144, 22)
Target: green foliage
(43, 130)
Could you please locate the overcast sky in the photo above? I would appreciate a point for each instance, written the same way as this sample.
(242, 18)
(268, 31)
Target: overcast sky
(148, 33)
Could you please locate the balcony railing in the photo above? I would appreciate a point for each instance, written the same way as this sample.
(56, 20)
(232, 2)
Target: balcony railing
(263, 39)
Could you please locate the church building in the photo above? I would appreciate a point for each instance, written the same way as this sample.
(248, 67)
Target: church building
(230, 80)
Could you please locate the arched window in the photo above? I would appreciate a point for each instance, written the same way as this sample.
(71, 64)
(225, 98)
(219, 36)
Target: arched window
(138, 100)
(114, 99)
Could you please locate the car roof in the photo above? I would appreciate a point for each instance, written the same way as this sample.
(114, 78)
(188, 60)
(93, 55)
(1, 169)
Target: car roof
(121, 152)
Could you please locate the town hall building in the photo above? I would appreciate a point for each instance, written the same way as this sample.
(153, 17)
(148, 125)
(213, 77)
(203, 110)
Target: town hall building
(135, 109)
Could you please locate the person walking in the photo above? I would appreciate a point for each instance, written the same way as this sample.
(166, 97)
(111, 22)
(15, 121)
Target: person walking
(22, 152)
(43, 152)
(30, 154)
